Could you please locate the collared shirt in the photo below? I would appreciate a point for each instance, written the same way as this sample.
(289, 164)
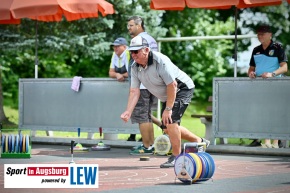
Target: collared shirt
(267, 60)
(159, 72)
(152, 45)
(120, 64)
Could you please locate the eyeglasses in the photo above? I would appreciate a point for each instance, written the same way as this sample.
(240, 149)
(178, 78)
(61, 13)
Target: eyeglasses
(134, 51)
(130, 25)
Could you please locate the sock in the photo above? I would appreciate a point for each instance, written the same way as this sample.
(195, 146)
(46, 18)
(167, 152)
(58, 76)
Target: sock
(133, 136)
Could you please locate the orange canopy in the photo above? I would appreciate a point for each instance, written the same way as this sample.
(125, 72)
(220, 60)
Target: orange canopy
(53, 10)
(211, 4)
(5, 14)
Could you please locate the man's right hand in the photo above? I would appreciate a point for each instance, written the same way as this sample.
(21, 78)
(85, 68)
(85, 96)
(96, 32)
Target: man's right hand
(126, 116)
(252, 74)
(120, 77)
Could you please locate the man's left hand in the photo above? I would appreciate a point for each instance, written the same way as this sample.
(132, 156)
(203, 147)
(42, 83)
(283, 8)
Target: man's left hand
(166, 117)
(267, 75)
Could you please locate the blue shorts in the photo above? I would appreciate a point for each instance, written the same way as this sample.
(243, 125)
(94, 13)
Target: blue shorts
(142, 110)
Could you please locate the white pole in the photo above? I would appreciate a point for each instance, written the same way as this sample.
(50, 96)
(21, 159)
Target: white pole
(36, 71)
(36, 53)
(158, 102)
(174, 39)
(236, 43)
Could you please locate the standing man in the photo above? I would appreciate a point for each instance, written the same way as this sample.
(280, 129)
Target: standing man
(268, 60)
(120, 60)
(168, 83)
(142, 112)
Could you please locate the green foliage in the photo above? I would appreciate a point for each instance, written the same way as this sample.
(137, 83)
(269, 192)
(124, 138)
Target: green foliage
(201, 59)
(12, 114)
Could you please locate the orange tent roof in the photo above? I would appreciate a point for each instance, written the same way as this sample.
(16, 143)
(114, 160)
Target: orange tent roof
(52, 10)
(211, 4)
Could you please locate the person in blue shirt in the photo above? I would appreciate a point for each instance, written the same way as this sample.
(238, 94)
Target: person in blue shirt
(268, 60)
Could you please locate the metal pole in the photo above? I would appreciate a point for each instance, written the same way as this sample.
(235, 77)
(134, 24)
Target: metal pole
(236, 42)
(174, 39)
(158, 102)
(36, 54)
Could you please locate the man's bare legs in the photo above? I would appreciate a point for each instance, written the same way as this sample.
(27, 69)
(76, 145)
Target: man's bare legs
(269, 145)
(176, 133)
(147, 131)
(156, 121)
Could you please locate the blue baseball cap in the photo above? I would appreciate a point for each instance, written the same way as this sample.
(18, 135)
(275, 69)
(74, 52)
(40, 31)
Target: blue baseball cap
(120, 41)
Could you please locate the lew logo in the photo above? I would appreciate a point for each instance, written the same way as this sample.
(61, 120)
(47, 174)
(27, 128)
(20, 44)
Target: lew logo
(83, 175)
(51, 176)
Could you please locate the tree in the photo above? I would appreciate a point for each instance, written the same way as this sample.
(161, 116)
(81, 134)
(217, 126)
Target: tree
(2, 113)
(202, 59)
(66, 49)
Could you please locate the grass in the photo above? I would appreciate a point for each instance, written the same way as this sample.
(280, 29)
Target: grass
(11, 114)
(193, 124)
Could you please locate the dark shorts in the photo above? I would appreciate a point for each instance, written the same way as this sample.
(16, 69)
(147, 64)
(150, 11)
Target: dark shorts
(183, 98)
(142, 110)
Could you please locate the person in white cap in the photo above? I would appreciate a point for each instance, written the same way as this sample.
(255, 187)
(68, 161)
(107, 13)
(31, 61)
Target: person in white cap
(169, 84)
(120, 60)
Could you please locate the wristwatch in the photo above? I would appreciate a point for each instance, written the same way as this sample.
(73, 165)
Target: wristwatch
(273, 74)
(168, 108)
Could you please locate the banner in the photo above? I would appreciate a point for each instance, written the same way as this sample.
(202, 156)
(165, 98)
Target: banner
(51, 176)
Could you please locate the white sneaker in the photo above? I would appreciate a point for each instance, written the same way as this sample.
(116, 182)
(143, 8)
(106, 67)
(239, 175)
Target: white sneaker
(137, 147)
(151, 147)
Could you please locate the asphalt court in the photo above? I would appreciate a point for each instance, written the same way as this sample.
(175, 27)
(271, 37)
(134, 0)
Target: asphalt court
(121, 172)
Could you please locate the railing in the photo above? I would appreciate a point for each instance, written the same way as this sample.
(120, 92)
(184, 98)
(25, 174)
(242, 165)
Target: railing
(251, 108)
(51, 105)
